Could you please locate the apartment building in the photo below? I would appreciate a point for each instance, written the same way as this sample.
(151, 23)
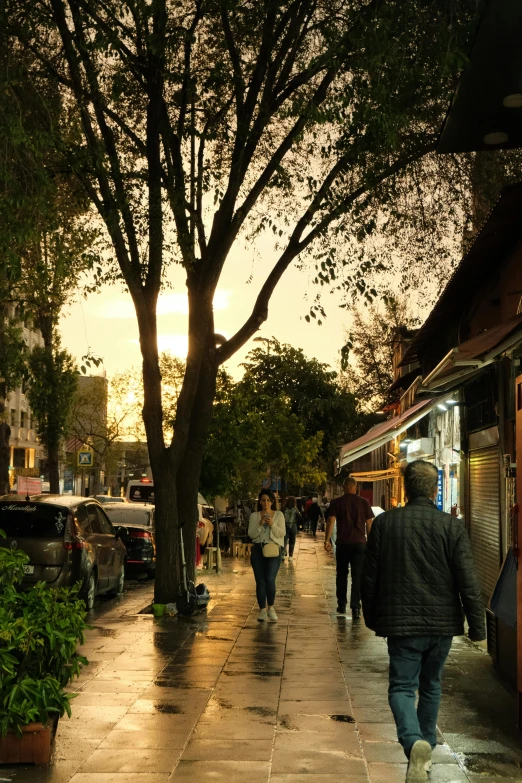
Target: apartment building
(26, 452)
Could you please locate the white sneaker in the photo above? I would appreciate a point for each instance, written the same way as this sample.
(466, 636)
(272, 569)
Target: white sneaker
(420, 756)
(272, 614)
(261, 616)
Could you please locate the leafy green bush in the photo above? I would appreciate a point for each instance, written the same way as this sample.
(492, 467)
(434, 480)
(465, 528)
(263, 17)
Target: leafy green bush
(39, 631)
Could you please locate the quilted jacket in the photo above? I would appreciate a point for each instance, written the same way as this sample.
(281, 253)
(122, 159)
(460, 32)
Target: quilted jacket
(418, 575)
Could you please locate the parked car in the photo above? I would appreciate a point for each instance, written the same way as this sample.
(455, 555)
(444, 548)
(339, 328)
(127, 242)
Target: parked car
(108, 499)
(136, 524)
(68, 539)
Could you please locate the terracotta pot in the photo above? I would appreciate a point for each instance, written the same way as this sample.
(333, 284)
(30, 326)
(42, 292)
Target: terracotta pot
(33, 747)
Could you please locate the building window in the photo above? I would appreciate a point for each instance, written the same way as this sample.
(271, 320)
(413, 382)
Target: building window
(23, 419)
(19, 458)
(13, 417)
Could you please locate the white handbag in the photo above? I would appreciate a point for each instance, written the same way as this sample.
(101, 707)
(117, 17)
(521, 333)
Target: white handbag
(271, 549)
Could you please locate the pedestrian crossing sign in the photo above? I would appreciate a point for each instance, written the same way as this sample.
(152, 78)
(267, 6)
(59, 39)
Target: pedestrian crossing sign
(85, 458)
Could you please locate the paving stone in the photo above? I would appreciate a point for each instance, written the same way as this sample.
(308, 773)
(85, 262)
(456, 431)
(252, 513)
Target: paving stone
(121, 777)
(316, 762)
(57, 772)
(317, 778)
(146, 738)
(131, 760)
(390, 752)
(348, 742)
(228, 750)
(217, 772)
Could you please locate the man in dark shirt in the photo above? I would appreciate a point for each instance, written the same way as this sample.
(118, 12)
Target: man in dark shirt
(354, 518)
(314, 514)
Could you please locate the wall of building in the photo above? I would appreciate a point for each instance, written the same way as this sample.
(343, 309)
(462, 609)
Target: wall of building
(501, 299)
(26, 452)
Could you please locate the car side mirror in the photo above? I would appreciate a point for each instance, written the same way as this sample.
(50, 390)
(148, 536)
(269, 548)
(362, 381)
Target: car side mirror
(119, 532)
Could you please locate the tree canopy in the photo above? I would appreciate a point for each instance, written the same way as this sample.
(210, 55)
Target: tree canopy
(254, 435)
(369, 352)
(311, 390)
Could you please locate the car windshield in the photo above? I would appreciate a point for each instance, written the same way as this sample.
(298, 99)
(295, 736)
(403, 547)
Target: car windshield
(142, 493)
(32, 520)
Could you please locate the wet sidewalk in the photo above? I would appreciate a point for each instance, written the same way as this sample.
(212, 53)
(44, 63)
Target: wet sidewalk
(222, 698)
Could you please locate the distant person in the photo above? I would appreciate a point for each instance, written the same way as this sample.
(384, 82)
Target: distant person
(266, 527)
(314, 515)
(305, 514)
(354, 516)
(292, 518)
(418, 584)
(394, 503)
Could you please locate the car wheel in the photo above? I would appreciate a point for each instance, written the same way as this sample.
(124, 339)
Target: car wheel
(90, 592)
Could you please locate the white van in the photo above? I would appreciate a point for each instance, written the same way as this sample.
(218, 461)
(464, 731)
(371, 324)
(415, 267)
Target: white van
(141, 491)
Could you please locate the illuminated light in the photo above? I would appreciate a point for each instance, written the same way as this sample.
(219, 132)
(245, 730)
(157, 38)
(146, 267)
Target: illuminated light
(513, 101)
(497, 137)
(442, 407)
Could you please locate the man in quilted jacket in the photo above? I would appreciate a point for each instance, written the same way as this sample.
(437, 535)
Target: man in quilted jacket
(418, 584)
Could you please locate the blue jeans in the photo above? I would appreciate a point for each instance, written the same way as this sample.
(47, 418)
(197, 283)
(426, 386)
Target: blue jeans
(265, 572)
(416, 663)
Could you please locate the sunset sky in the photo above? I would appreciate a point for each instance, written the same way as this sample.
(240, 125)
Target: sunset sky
(106, 322)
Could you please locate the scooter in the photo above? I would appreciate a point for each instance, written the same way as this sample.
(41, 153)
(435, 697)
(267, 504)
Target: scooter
(190, 598)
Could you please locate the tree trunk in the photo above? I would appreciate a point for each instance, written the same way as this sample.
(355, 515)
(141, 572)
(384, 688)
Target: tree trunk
(167, 534)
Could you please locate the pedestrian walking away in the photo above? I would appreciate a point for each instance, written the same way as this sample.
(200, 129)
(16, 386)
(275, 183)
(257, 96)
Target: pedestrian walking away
(354, 516)
(418, 584)
(292, 517)
(267, 531)
(314, 515)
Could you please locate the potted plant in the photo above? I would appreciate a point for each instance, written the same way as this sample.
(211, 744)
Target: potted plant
(39, 632)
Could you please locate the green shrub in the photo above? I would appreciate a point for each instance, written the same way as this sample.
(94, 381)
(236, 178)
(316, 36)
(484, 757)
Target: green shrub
(39, 632)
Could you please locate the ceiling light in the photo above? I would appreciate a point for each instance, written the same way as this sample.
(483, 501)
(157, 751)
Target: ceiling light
(442, 407)
(513, 101)
(498, 137)
(452, 402)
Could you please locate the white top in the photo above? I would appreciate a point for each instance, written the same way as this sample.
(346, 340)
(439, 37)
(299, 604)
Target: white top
(260, 534)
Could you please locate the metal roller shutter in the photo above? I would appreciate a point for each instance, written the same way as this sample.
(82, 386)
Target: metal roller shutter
(484, 526)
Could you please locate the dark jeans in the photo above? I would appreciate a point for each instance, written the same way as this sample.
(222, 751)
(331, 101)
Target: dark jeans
(265, 572)
(416, 663)
(291, 535)
(348, 555)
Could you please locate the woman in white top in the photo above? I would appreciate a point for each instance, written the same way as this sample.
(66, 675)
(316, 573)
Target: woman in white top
(266, 526)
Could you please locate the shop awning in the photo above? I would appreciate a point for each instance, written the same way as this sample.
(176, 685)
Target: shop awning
(386, 431)
(377, 475)
(405, 381)
(471, 357)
